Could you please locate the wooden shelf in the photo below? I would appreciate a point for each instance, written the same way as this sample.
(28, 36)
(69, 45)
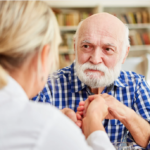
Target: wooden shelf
(140, 47)
(138, 26)
(130, 26)
(127, 3)
(93, 3)
(68, 28)
(68, 52)
(73, 4)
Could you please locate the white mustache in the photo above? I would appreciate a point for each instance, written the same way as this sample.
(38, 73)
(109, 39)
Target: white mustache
(99, 67)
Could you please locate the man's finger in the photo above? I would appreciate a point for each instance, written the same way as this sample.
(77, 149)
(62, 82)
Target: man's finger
(81, 103)
(80, 112)
(80, 108)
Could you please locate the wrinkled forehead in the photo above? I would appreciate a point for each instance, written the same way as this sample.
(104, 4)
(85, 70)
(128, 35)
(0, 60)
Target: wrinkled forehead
(106, 28)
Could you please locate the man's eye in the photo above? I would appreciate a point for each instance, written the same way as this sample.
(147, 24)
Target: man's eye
(86, 46)
(108, 49)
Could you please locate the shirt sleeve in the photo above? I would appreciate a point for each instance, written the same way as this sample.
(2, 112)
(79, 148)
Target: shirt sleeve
(99, 140)
(141, 105)
(65, 135)
(142, 100)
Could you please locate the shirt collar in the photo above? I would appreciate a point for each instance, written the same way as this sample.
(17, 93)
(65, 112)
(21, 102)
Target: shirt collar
(120, 81)
(77, 85)
(13, 90)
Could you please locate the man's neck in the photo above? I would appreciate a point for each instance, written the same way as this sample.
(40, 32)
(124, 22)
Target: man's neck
(97, 90)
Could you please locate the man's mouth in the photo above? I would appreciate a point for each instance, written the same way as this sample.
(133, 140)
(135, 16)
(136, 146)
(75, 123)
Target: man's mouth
(94, 71)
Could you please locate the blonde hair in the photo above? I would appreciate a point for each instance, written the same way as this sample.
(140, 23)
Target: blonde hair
(25, 27)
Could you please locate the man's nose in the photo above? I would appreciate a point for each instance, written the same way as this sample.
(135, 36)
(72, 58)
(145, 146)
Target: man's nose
(97, 56)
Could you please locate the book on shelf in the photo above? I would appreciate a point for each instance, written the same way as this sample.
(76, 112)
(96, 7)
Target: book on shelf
(139, 38)
(67, 17)
(60, 19)
(138, 17)
(125, 19)
(145, 17)
(130, 18)
(67, 45)
(146, 38)
(69, 37)
(132, 37)
(71, 19)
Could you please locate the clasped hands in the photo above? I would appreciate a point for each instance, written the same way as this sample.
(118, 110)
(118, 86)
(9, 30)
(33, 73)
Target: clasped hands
(95, 109)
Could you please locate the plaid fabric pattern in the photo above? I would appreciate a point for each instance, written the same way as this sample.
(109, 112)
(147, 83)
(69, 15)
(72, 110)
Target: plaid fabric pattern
(64, 89)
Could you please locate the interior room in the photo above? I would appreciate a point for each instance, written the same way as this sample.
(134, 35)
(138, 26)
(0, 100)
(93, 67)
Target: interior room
(75, 75)
(135, 14)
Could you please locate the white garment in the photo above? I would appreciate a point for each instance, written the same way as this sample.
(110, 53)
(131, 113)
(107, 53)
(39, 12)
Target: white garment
(26, 125)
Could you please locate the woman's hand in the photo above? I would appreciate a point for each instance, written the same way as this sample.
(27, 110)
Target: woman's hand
(72, 115)
(92, 112)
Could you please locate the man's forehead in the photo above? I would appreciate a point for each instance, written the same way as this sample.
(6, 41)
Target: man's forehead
(93, 38)
(98, 33)
(104, 26)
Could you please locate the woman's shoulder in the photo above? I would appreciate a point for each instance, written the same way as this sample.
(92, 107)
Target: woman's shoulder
(42, 112)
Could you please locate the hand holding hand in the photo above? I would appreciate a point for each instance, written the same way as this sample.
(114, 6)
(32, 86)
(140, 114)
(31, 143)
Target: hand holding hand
(94, 111)
(95, 104)
(72, 115)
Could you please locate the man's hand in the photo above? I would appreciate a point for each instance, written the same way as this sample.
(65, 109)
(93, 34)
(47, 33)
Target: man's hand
(137, 126)
(72, 115)
(116, 109)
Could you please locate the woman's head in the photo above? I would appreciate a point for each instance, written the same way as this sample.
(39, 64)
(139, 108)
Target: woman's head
(26, 28)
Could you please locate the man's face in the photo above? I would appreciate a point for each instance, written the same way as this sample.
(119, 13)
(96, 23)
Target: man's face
(98, 53)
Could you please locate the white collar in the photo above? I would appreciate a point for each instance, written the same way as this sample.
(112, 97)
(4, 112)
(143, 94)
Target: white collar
(13, 90)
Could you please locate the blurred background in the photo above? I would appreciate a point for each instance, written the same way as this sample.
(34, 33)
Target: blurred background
(134, 13)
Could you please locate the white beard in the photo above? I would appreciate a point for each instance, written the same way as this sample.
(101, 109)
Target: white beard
(95, 79)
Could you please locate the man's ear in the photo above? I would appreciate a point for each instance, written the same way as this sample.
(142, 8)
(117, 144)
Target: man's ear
(45, 56)
(74, 46)
(126, 55)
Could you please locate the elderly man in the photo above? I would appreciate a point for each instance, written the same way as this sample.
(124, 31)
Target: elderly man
(101, 46)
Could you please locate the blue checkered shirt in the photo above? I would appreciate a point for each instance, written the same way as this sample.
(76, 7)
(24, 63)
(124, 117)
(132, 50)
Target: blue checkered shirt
(64, 89)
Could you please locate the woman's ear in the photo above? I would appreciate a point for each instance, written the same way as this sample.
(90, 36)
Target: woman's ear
(126, 55)
(45, 57)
